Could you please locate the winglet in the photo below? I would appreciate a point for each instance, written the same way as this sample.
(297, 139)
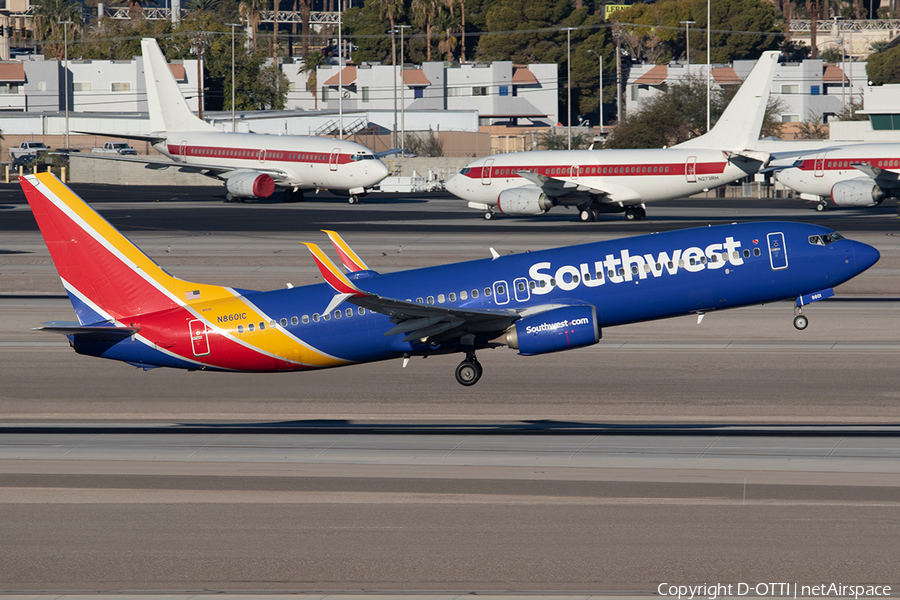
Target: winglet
(332, 275)
(351, 261)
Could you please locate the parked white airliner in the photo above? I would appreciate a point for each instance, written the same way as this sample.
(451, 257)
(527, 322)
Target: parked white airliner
(600, 181)
(250, 164)
(855, 175)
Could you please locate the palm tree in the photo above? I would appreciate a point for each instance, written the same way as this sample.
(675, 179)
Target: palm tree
(424, 13)
(305, 9)
(250, 10)
(310, 65)
(391, 10)
(47, 17)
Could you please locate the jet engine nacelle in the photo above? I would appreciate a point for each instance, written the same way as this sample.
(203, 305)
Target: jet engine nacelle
(857, 192)
(250, 185)
(554, 330)
(526, 200)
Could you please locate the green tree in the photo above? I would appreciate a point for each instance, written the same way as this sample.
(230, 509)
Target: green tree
(812, 128)
(663, 38)
(884, 67)
(424, 14)
(250, 10)
(47, 15)
(731, 16)
(310, 66)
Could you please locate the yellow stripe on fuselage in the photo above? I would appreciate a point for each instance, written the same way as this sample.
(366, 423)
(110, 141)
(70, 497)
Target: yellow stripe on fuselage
(226, 314)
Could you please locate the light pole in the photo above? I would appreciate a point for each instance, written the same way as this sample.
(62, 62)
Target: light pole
(687, 34)
(394, 69)
(402, 144)
(233, 83)
(708, 64)
(340, 73)
(65, 25)
(568, 31)
(600, 107)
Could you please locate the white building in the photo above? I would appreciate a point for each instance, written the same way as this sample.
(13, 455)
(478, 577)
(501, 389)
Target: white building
(809, 89)
(36, 85)
(499, 91)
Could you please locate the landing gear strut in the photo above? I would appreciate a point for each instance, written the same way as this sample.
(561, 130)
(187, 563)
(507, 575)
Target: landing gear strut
(468, 372)
(800, 320)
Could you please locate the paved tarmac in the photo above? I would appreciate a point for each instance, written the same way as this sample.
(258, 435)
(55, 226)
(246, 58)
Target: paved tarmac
(607, 469)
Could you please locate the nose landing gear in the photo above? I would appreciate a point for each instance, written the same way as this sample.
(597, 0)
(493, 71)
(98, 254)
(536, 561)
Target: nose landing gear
(468, 372)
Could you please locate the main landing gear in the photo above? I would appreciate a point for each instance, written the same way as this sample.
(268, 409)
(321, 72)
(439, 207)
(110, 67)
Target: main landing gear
(635, 213)
(292, 195)
(468, 372)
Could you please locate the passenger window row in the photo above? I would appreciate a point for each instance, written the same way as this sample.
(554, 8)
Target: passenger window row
(305, 319)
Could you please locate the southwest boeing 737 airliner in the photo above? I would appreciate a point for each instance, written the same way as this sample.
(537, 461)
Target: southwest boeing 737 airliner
(130, 309)
(250, 164)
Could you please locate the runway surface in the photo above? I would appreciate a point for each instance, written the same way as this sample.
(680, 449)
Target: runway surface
(738, 449)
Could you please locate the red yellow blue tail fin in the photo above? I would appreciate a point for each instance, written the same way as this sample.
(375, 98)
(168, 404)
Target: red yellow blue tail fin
(351, 261)
(332, 274)
(106, 276)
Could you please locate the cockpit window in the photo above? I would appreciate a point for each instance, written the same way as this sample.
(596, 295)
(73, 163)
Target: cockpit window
(824, 240)
(465, 170)
(357, 157)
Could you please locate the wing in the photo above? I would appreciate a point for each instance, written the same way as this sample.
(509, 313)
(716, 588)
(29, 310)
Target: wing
(884, 179)
(217, 171)
(153, 138)
(423, 322)
(558, 187)
(572, 193)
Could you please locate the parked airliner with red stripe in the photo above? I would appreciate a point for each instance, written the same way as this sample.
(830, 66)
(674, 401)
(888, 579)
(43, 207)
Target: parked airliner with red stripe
(854, 175)
(130, 309)
(602, 181)
(251, 165)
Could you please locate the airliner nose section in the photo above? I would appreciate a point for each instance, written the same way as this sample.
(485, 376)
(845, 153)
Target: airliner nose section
(864, 256)
(379, 172)
(452, 184)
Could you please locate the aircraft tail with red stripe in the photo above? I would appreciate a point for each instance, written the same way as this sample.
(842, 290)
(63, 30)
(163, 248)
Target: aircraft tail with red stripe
(107, 278)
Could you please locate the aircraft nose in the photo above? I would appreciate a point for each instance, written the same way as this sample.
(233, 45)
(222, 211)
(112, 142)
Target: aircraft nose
(452, 184)
(864, 256)
(379, 171)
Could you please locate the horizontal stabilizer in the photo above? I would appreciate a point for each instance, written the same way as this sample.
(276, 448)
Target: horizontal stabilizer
(98, 332)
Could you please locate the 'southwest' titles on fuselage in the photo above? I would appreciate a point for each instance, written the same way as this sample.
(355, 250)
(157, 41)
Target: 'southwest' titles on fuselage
(129, 309)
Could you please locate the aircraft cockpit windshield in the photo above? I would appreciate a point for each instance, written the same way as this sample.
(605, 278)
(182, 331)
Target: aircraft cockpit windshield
(824, 240)
(358, 157)
(465, 170)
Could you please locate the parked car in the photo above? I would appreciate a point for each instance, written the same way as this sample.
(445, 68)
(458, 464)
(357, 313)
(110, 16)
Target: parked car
(25, 148)
(24, 160)
(120, 148)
